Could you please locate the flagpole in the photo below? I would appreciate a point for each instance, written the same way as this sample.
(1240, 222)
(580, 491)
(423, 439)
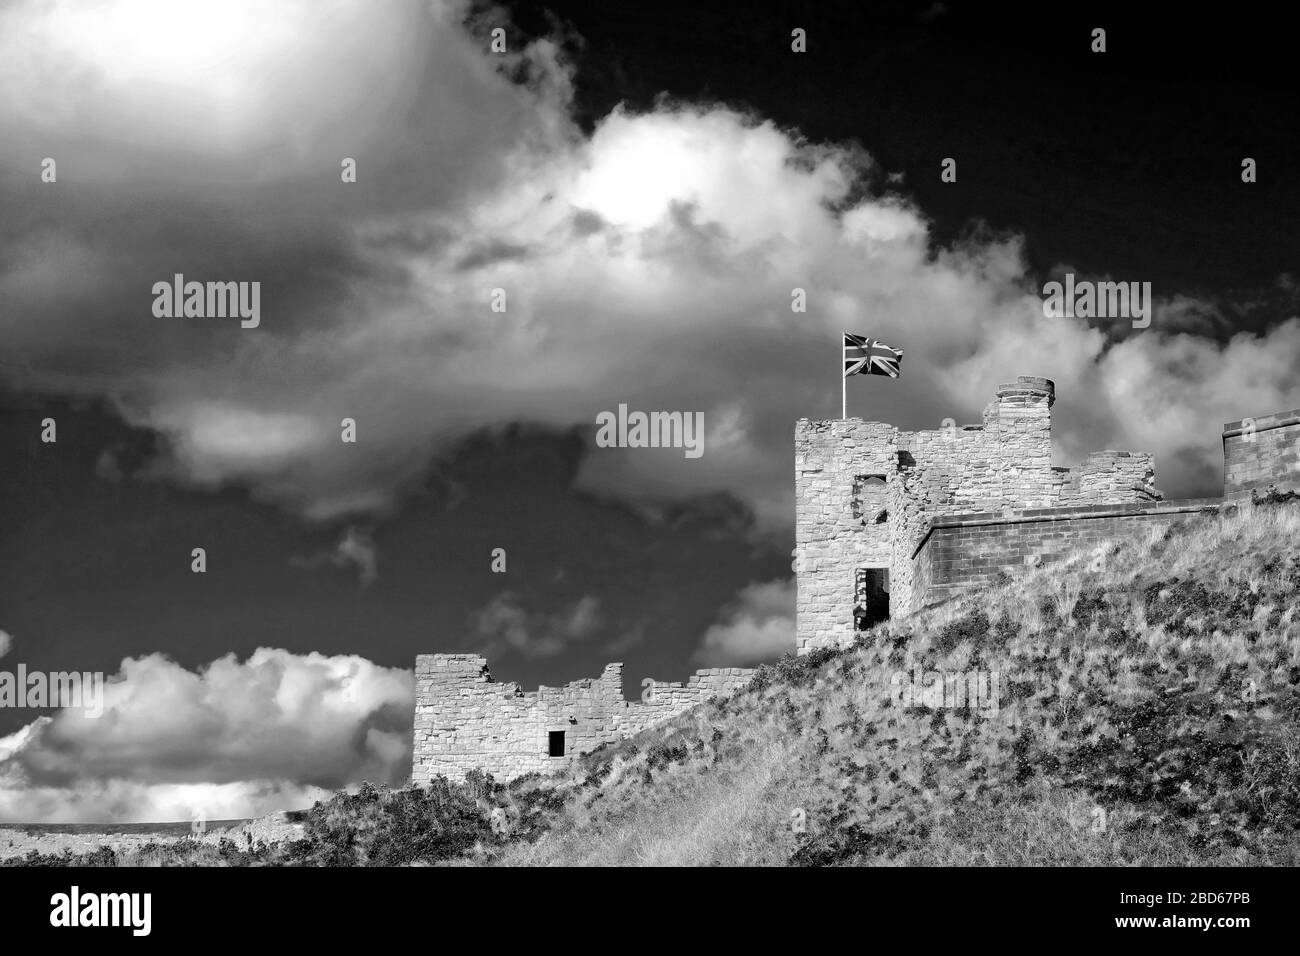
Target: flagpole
(844, 387)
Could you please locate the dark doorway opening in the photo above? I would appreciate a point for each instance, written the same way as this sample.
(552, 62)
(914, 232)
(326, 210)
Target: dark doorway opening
(556, 743)
(871, 597)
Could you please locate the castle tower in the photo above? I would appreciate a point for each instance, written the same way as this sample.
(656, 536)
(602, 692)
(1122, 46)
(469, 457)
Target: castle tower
(1020, 423)
(867, 495)
(844, 542)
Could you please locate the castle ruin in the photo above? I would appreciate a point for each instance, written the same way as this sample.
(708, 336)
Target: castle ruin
(465, 720)
(888, 521)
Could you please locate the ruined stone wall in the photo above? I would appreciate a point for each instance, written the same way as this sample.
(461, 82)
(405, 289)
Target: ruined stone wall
(661, 700)
(1111, 476)
(466, 720)
(1264, 452)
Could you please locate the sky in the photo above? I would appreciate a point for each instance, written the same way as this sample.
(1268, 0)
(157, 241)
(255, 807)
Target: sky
(638, 189)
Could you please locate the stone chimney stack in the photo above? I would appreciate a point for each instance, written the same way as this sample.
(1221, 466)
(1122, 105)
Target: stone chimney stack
(1027, 390)
(1020, 420)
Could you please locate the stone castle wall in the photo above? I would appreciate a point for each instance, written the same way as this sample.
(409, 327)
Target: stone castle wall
(940, 511)
(1264, 452)
(1003, 463)
(965, 502)
(970, 550)
(465, 720)
(836, 533)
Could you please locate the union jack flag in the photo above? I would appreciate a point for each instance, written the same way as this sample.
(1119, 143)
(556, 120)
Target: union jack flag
(869, 357)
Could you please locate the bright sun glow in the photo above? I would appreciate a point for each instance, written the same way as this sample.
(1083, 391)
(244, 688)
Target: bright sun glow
(170, 43)
(637, 173)
(238, 81)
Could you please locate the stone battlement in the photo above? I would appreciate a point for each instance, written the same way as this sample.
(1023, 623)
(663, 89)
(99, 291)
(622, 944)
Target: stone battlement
(888, 520)
(466, 720)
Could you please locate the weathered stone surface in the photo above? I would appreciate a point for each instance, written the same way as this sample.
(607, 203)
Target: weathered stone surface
(959, 504)
(465, 720)
(1263, 452)
(941, 511)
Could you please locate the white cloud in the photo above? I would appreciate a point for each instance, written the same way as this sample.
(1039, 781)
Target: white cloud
(204, 85)
(504, 625)
(221, 441)
(757, 626)
(274, 732)
(355, 549)
(651, 263)
(126, 801)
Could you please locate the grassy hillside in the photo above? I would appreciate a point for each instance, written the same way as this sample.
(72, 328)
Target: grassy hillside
(1147, 710)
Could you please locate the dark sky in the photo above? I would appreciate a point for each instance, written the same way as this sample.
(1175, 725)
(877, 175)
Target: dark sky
(101, 568)
(1123, 164)
(1127, 161)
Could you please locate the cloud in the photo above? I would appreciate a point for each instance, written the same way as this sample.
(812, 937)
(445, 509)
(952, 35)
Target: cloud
(233, 739)
(650, 263)
(124, 801)
(356, 549)
(185, 98)
(504, 625)
(628, 639)
(757, 626)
